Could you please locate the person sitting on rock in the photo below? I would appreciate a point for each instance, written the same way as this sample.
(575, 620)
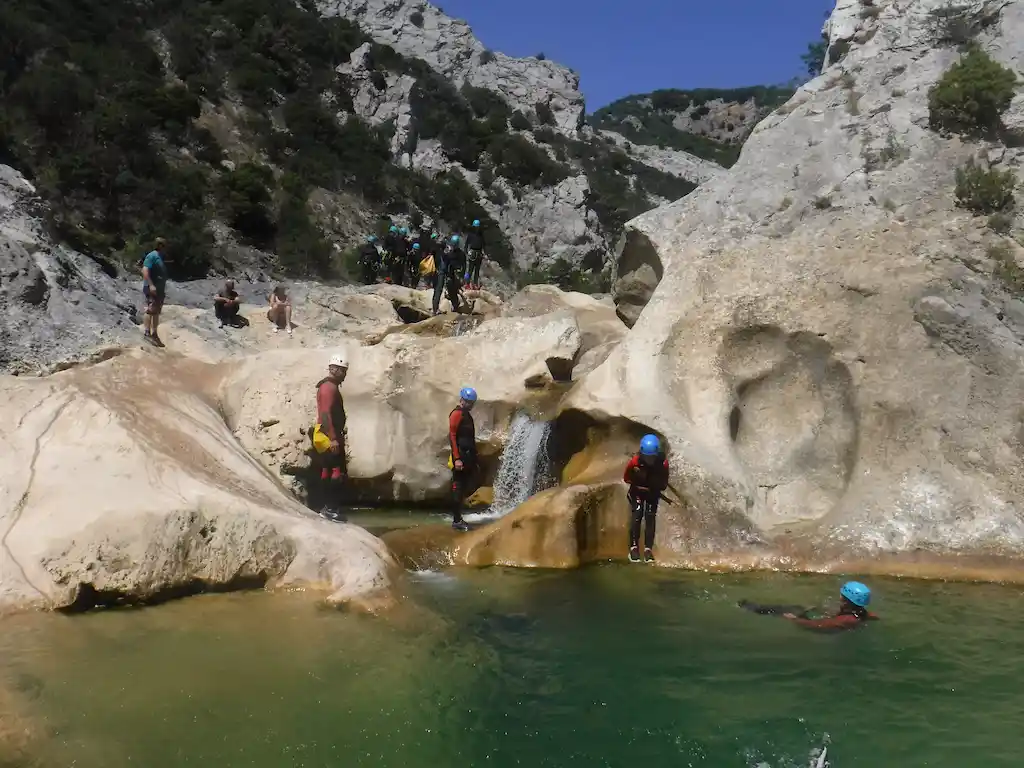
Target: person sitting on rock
(474, 255)
(462, 442)
(226, 305)
(853, 610)
(280, 312)
(369, 258)
(330, 409)
(154, 289)
(647, 475)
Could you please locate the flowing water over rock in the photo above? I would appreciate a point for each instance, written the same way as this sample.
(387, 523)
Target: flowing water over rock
(607, 666)
(524, 467)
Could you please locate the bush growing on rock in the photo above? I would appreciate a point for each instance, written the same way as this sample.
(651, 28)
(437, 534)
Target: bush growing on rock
(972, 96)
(523, 162)
(544, 113)
(1000, 223)
(1006, 269)
(416, 18)
(520, 122)
(984, 190)
(486, 57)
(245, 194)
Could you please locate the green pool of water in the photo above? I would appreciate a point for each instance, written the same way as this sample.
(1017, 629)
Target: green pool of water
(608, 666)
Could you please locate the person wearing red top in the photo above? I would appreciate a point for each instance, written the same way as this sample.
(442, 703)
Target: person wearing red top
(647, 476)
(854, 598)
(462, 443)
(330, 409)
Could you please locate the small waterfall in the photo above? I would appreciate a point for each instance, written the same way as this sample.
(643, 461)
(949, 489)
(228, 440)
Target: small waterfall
(523, 469)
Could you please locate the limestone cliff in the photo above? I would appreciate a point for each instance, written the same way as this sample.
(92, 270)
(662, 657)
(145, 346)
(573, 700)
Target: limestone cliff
(833, 349)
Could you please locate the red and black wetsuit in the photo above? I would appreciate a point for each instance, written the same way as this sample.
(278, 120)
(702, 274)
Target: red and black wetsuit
(841, 621)
(330, 410)
(648, 478)
(462, 441)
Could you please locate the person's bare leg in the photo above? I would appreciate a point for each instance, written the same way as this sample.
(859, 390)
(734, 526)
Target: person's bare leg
(155, 324)
(147, 322)
(288, 317)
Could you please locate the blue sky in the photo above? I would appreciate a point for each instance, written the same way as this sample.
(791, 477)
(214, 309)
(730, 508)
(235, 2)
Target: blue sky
(633, 46)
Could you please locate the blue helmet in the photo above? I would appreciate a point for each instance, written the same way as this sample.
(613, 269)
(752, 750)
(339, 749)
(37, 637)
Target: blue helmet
(392, 228)
(404, 230)
(415, 246)
(476, 222)
(650, 445)
(856, 593)
(433, 235)
(468, 394)
(371, 239)
(455, 239)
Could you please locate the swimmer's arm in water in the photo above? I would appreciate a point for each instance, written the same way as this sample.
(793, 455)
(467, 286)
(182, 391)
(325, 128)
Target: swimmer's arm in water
(830, 624)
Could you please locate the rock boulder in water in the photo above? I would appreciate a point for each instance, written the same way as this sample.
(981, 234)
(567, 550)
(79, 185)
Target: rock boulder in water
(122, 483)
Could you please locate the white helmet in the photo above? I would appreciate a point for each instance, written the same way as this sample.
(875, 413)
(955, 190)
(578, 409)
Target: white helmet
(339, 360)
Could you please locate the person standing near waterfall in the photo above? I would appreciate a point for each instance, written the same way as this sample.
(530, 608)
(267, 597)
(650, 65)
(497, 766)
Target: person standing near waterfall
(462, 442)
(330, 414)
(647, 476)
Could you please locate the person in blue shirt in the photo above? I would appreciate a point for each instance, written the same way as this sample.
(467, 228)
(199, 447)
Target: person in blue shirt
(154, 288)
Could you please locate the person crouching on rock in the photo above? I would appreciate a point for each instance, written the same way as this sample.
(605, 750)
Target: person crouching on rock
(280, 312)
(853, 610)
(647, 476)
(462, 441)
(330, 409)
(226, 305)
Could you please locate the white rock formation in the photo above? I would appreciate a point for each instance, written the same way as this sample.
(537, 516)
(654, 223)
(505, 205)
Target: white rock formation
(448, 45)
(683, 165)
(121, 482)
(820, 334)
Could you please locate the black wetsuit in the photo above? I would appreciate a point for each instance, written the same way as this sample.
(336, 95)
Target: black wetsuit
(462, 442)
(647, 480)
(368, 258)
(474, 255)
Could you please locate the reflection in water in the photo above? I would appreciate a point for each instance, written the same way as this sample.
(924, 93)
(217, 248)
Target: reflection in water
(605, 666)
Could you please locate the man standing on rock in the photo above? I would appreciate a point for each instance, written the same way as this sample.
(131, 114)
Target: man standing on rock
(462, 441)
(474, 255)
(330, 409)
(449, 275)
(154, 288)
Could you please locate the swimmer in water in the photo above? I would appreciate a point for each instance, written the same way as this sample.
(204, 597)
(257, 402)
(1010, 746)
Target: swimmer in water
(853, 601)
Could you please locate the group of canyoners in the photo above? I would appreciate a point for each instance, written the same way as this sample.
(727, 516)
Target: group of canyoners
(447, 264)
(646, 476)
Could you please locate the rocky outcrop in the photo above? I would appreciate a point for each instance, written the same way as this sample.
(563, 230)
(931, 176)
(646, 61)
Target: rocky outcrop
(398, 396)
(122, 483)
(680, 164)
(824, 340)
(420, 30)
(54, 302)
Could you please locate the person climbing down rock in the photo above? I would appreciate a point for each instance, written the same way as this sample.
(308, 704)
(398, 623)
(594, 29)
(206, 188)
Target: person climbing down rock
(853, 601)
(647, 476)
(280, 312)
(154, 289)
(368, 260)
(330, 410)
(474, 255)
(226, 306)
(462, 441)
(449, 277)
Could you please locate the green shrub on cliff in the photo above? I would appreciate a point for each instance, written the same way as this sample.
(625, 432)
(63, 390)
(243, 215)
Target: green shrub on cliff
(972, 96)
(984, 190)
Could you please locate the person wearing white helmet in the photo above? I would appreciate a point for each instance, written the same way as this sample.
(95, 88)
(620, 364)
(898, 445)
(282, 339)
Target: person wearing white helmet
(330, 409)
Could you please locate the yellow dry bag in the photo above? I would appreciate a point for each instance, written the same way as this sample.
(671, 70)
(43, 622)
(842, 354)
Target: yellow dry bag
(427, 266)
(321, 442)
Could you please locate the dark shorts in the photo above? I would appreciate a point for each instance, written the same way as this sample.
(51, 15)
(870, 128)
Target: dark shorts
(154, 300)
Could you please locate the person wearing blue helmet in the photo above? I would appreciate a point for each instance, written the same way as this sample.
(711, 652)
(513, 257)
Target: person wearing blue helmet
(462, 442)
(474, 255)
(647, 476)
(449, 274)
(854, 598)
(369, 258)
